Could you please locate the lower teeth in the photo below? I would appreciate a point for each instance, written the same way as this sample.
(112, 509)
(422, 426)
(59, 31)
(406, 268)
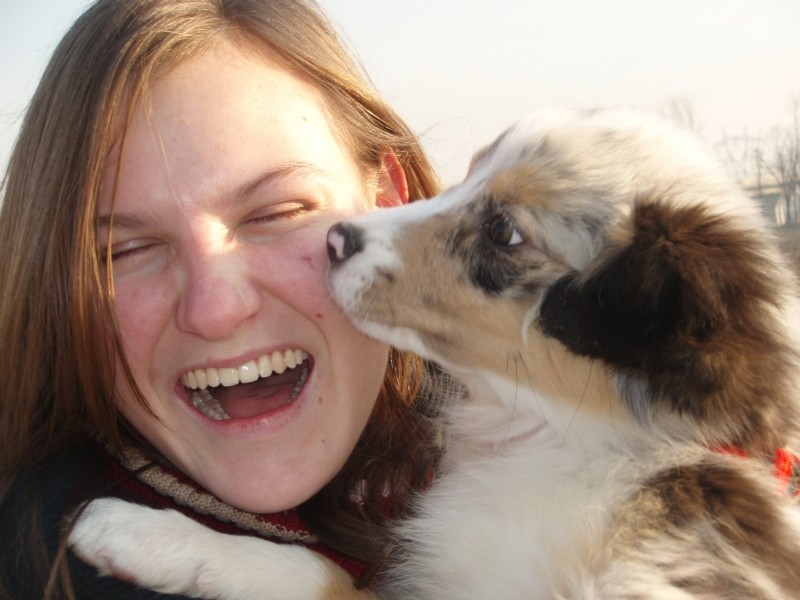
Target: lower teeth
(300, 382)
(203, 401)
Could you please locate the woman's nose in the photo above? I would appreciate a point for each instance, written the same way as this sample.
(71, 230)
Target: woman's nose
(219, 296)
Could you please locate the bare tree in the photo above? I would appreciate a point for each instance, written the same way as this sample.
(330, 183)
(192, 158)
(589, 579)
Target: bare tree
(782, 162)
(743, 157)
(769, 164)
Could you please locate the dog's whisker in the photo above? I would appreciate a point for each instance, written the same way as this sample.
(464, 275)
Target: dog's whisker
(588, 380)
(580, 400)
(512, 414)
(366, 315)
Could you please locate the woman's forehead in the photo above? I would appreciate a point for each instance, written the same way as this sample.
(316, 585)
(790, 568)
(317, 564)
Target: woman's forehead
(216, 121)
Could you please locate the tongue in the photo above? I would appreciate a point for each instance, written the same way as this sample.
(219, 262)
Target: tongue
(247, 400)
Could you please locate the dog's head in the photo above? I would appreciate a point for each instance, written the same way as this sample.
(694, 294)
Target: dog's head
(608, 232)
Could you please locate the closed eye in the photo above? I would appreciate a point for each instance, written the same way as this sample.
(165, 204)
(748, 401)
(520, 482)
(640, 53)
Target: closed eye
(135, 256)
(127, 250)
(286, 210)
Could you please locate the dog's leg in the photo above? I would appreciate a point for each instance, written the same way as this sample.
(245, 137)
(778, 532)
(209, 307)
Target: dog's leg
(168, 552)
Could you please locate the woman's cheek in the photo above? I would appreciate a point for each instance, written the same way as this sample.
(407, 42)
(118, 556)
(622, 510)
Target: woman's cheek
(142, 310)
(296, 269)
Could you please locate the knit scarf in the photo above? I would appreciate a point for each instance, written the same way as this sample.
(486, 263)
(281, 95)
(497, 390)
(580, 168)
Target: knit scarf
(163, 486)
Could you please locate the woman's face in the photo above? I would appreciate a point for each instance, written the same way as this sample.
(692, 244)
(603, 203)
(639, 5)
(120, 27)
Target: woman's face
(228, 181)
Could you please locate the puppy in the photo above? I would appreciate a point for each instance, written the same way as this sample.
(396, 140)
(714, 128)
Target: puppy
(626, 331)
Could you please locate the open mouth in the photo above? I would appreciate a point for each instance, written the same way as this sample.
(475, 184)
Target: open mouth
(251, 390)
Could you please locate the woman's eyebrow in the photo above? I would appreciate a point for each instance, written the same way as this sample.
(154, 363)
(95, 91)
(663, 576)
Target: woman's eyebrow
(125, 221)
(271, 176)
(132, 221)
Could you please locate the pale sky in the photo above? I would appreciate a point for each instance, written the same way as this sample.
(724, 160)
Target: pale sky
(461, 71)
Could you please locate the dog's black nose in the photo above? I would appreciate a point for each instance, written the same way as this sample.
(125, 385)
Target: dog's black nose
(343, 242)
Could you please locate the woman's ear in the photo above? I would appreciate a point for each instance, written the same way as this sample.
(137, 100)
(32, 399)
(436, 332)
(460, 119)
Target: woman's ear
(392, 187)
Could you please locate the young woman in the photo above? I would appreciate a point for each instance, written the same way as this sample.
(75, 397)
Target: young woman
(167, 337)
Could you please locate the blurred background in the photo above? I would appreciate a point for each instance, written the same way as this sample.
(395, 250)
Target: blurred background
(461, 71)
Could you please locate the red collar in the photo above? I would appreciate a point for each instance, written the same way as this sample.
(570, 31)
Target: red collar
(785, 467)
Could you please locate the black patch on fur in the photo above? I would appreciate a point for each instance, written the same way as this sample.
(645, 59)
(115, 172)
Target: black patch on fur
(491, 273)
(680, 306)
(490, 267)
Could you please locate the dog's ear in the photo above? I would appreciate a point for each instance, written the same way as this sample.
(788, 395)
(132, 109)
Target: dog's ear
(627, 300)
(679, 299)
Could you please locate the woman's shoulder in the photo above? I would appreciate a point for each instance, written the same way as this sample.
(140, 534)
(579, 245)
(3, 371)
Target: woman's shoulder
(36, 506)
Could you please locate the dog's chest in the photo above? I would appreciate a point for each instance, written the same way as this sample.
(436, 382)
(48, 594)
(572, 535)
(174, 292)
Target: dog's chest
(533, 511)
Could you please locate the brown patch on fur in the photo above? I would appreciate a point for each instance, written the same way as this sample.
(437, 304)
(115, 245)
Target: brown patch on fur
(724, 343)
(738, 508)
(528, 184)
(711, 509)
(686, 304)
(543, 180)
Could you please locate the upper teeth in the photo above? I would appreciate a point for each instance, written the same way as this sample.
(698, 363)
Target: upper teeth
(266, 365)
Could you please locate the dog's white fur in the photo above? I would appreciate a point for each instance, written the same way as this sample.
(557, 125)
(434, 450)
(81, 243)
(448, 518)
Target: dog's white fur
(565, 464)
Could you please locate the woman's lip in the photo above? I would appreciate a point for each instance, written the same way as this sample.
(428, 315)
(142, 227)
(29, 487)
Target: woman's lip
(269, 422)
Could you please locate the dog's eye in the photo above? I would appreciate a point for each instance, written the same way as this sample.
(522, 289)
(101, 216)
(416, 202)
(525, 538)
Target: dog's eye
(502, 231)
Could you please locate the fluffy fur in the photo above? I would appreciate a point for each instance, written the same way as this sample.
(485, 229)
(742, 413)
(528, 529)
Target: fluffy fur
(626, 328)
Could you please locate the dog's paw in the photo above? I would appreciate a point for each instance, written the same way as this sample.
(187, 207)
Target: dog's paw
(152, 548)
(166, 551)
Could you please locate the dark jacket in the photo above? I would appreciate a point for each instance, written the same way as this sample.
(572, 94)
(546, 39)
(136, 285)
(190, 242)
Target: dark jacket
(59, 481)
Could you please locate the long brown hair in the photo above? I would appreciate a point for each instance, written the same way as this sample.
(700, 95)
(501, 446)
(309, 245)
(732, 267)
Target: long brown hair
(60, 342)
